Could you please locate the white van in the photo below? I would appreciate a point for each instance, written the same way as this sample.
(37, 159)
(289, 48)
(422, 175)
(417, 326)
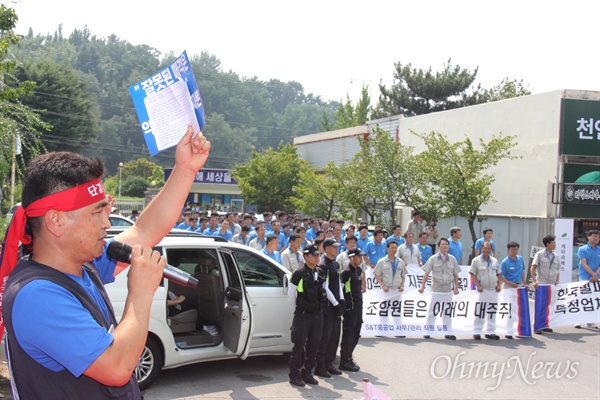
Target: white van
(242, 296)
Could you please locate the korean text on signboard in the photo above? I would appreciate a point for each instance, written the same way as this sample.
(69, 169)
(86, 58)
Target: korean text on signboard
(580, 127)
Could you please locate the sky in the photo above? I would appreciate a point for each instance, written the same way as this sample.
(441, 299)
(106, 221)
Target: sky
(334, 47)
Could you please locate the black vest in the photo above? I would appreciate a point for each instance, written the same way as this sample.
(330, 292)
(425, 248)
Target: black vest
(33, 380)
(310, 292)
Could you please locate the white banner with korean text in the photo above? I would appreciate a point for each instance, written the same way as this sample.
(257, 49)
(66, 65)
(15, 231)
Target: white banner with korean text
(411, 313)
(567, 304)
(414, 279)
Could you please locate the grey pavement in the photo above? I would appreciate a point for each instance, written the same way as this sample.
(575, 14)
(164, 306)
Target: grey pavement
(560, 365)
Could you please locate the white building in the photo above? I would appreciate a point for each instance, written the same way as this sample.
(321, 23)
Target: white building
(558, 136)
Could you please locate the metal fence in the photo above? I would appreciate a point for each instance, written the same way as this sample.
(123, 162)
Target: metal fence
(126, 206)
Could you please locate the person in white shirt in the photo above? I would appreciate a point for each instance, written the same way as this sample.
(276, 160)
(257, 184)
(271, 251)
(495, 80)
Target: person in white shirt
(408, 251)
(292, 257)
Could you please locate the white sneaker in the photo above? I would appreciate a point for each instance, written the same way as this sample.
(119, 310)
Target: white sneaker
(211, 330)
(593, 326)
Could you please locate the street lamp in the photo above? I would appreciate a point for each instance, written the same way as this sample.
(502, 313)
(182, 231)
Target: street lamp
(120, 169)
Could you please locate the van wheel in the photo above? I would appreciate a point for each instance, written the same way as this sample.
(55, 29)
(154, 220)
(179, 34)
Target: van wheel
(149, 365)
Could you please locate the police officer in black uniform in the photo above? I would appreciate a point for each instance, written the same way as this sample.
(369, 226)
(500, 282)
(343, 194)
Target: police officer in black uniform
(354, 285)
(332, 313)
(309, 282)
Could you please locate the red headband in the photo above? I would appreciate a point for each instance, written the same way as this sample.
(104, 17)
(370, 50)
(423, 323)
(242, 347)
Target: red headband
(68, 200)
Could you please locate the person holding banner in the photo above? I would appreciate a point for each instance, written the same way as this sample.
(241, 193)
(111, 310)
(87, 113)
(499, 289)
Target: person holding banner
(445, 270)
(485, 273)
(589, 262)
(545, 270)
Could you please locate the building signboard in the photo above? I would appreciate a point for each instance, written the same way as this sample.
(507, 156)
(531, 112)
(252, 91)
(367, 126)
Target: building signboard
(580, 128)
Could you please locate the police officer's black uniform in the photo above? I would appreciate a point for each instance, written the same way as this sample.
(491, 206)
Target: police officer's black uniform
(330, 337)
(352, 283)
(308, 321)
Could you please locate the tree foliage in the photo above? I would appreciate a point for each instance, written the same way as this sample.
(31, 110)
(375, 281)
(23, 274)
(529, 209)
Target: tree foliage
(318, 193)
(251, 112)
(348, 115)
(269, 178)
(142, 168)
(397, 174)
(507, 89)
(134, 186)
(458, 173)
(64, 102)
(18, 123)
(418, 91)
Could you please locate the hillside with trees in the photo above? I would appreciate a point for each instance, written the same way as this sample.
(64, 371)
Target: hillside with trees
(81, 90)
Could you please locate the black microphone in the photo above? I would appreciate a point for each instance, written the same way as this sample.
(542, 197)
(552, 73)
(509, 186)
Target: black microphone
(122, 252)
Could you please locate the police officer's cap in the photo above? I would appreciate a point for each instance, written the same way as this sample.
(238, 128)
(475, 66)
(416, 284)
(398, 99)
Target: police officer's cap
(330, 242)
(312, 249)
(355, 252)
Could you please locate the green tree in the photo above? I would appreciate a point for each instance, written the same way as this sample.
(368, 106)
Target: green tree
(230, 146)
(65, 103)
(355, 189)
(134, 186)
(318, 193)
(348, 115)
(458, 173)
(269, 178)
(17, 121)
(397, 174)
(507, 89)
(141, 168)
(418, 91)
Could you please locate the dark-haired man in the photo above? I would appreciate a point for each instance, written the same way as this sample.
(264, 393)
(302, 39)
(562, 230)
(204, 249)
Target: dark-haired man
(354, 285)
(589, 262)
(332, 313)
(487, 237)
(376, 249)
(308, 287)
(445, 270)
(69, 345)
(545, 270)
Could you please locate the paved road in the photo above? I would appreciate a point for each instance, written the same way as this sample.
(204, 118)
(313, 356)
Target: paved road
(562, 365)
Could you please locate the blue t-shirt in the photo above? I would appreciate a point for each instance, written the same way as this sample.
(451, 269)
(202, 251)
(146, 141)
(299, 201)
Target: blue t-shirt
(479, 244)
(273, 256)
(456, 249)
(48, 337)
(210, 232)
(182, 225)
(311, 234)
(227, 235)
(375, 252)
(362, 243)
(512, 270)
(399, 240)
(592, 257)
(426, 252)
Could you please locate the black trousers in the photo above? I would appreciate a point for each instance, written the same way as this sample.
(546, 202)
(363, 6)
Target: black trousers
(350, 333)
(306, 335)
(330, 337)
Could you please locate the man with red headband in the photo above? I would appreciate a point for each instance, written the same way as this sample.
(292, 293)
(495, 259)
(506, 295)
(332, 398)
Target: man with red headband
(62, 337)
